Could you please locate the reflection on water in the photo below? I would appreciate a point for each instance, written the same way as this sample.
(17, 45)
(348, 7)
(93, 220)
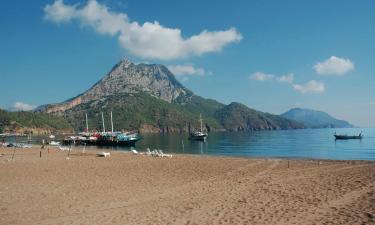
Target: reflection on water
(307, 143)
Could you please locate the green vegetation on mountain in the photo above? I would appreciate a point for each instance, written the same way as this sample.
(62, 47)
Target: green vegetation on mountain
(32, 121)
(150, 114)
(142, 111)
(315, 119)
(150, 99)
(238, 117)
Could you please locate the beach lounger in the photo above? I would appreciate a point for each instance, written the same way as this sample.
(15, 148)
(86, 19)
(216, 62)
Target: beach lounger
(148, 151)
(135, 152)
(64, 148)
(162, 154)
(155, 153)
(104, 154)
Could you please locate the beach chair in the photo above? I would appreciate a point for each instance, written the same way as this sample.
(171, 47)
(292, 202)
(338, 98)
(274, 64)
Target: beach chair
(104, 154)
(135, 152)
(162, 154)
(64, 148)
(155, 153)
(148, 152)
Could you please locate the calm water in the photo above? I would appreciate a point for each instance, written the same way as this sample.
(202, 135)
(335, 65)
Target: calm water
(307, 143)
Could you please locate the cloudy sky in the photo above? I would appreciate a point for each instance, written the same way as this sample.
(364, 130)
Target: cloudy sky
(269, 55)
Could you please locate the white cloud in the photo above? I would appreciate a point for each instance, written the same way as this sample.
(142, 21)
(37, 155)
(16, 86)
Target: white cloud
(148, 40)
(20, 106)
(334, 66)
(289, 78)
(181, 70)
(259, 76)
(58, 12)
(310, 87)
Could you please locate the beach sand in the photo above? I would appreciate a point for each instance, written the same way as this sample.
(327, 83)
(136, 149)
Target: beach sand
(134, 189)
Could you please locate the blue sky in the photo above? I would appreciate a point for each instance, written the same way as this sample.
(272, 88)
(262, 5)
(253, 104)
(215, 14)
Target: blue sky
(269, 55)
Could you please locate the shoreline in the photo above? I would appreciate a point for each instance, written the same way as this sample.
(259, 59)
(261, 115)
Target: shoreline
(184, 189)
(124, 151)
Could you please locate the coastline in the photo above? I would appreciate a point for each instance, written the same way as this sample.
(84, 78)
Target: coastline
(184, 189)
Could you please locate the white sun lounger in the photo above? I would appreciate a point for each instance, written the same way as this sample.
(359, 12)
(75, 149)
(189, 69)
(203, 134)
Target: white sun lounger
(155, 153)
(64, 148)
(135, 152)
(148, 152)
(162, 154)
(104, 154)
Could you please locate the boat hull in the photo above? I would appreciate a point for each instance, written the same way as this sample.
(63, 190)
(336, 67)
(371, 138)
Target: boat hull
(125, 143)
(345, 137)
(113, 143)
(198, 138)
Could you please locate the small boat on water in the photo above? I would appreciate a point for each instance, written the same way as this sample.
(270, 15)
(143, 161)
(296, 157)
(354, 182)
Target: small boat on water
(17, 145)
(347, 137)
(198, 135)
(54, 143)
(12, 135)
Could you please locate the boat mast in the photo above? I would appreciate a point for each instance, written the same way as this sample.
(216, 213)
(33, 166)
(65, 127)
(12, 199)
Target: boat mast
(103, 122)
(111, 122)
(200, 118)
(87, 124)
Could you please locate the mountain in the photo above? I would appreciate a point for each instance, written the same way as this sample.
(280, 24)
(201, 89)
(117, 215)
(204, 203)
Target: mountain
(32, 122)
(127, 78)
(315, 119)
(149, 98)
(238, 117)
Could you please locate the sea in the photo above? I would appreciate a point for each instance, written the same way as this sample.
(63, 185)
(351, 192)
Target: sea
(294, 144)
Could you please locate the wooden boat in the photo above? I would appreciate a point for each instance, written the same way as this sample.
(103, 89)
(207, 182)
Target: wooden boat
(109, 138)
(198, 135)
(347, 137)
(113, 139)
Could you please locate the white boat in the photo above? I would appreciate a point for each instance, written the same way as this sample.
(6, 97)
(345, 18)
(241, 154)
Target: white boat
(54, 143)
(198, 135)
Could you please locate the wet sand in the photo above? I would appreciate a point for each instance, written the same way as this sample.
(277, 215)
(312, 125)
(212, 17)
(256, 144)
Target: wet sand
(134, 189)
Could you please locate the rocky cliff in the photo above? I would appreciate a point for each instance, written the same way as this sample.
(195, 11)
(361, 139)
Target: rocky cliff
(127, 77)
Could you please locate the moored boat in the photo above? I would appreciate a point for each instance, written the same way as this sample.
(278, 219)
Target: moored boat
(198, 135)
(54, 143)
(111, 138)
(347, 137)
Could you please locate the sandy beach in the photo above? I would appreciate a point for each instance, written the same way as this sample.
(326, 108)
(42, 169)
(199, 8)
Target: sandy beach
(136, 189)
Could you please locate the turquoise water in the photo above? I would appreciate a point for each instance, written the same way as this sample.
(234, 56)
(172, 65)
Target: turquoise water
(306, 143)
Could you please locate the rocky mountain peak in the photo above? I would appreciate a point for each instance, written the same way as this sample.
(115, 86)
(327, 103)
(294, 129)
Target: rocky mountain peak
(125, 62)
(127, 77)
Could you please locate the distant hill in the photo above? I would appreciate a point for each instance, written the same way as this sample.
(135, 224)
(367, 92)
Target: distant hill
(315, 119)
(238, 117)
(32, 122)
(149, 98)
